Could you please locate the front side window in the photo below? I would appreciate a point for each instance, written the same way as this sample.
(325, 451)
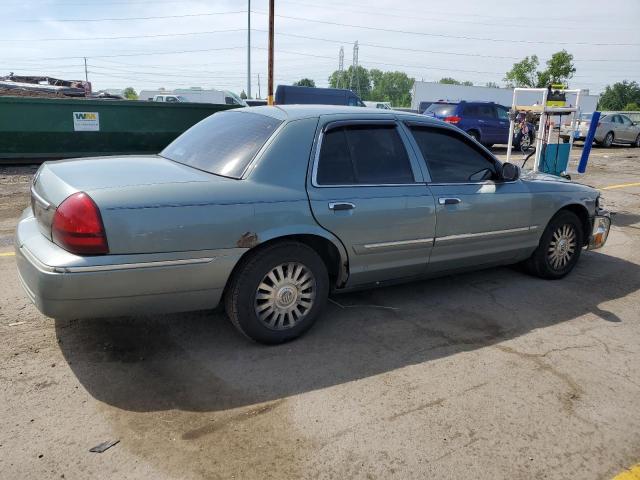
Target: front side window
(363, 154)
(450, 158)
(625, 120)
(222, 144)
(503, 113)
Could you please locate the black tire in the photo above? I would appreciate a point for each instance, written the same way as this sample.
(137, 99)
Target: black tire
(636, 144)
(542, 262)
(608, 140)
(240, 300)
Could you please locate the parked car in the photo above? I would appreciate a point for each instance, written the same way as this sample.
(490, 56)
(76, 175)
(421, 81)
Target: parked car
(290, 94)
(170, 98)
(487, 122)
(380, 105)
(268, 209)
(612, 128)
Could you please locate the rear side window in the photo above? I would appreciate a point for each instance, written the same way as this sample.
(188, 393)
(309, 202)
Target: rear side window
(222, 144)
(451, 159)
(363, 154)
(442, 109)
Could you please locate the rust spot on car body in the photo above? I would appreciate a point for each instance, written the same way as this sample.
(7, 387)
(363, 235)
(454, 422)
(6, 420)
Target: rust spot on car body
(248, 240)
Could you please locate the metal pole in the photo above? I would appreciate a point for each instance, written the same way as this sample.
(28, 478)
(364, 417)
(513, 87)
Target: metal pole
(86, 73)
(270, 75)
(259, 94)
(248, 48)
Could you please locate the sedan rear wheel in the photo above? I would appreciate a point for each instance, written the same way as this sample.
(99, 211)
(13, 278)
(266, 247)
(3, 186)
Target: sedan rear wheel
(608, 140)
(276, 293)
(559, 248)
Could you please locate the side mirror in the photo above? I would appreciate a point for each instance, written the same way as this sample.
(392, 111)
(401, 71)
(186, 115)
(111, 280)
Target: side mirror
(510, 172)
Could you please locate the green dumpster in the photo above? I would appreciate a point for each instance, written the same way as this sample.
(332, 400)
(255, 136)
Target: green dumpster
(32, 128)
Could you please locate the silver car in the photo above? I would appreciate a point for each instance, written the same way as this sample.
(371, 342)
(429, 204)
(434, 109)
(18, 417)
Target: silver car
(612, 128)
(269, 209)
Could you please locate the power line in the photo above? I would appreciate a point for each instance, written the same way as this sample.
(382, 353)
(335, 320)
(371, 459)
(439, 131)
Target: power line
(442, 35)
(143, 54)
(126, 37)
(121, 19)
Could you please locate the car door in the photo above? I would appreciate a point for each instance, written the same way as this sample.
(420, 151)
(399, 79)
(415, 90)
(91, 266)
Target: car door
(629, 131)
(617, 127)
(367, 188)
(503, 124)
(480, 219)
(488, 119)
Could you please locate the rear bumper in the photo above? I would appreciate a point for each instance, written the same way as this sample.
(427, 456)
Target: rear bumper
(63, 285)
(600, 231)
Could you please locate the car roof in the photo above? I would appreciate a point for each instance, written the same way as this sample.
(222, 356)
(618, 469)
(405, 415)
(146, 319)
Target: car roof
(296, 112)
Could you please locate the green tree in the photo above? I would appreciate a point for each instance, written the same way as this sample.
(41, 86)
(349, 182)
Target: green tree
(492, 85)
(632, 107)
(357, 80)
(449, 81)
(453, 81)
(525, 73)
(619, 95)
(130, 94)
(393, 87)
(305, 82)
(243, 95)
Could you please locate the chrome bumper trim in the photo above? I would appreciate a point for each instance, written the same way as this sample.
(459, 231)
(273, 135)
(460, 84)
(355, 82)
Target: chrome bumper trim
(128, 266)
(105, 268)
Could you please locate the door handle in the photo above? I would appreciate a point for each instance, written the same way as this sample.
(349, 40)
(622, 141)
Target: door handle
(449, 201)
(336, 206)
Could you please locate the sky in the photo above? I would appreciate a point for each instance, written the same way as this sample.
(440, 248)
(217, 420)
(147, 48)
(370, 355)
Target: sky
(148, 44)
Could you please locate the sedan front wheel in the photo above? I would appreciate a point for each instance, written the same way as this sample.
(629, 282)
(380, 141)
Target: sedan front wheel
(559, 248)
(277, 293)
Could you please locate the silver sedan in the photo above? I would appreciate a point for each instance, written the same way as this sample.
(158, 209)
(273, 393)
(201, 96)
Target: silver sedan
(612, 128)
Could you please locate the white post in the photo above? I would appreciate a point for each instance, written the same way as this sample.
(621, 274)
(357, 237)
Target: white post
(512, 122)
(248, 48)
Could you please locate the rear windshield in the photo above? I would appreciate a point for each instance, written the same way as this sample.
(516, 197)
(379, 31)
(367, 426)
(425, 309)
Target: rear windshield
(442, 109)
(222, 144)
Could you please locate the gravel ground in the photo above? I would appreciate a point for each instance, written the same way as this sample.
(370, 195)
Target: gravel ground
(487, 375)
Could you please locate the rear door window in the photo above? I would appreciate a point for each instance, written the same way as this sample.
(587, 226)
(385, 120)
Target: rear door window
(224, 143)
(452, 159)
(487, 111)
(364, 155)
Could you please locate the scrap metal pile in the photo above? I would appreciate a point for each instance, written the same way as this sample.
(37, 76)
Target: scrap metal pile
(42, 86)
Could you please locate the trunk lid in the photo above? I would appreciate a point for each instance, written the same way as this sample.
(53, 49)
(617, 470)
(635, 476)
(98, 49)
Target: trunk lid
(55, 181)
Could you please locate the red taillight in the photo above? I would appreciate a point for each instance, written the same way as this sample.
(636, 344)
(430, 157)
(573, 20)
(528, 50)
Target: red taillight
(77, 226)
(453, 119)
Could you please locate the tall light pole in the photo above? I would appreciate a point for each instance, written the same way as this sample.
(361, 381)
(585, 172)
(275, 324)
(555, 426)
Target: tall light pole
(86, 73)
(248, 48)
(270, 74)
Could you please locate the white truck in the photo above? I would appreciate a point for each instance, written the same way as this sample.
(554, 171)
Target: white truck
(198, 95)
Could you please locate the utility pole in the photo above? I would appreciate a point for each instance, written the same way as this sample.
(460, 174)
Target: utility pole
(248, 48)
(86, 73)
(355, 69)
(340, 66)
(270, 73)
(259, 94)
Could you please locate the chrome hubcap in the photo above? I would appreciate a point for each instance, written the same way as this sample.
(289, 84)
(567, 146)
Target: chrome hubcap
(285, 296)
(562, 246)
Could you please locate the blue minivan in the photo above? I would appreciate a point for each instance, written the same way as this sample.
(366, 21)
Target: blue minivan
(487, 122)
(289, 95)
